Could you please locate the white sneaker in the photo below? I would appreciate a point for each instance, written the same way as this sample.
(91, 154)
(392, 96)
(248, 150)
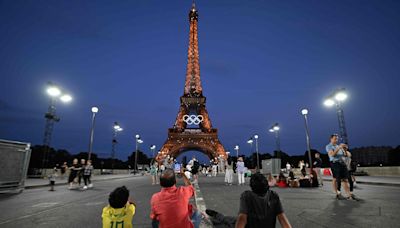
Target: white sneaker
(90, 185)
(84, 187)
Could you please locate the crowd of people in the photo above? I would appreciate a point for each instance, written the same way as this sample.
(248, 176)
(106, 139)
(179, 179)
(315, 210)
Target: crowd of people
(251, 213)
(259, 207)
(78, 173)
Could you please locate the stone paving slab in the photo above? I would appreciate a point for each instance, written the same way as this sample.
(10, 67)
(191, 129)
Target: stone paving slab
(315, 207)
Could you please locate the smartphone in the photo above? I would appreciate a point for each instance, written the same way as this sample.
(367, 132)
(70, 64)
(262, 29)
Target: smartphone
(177, 168)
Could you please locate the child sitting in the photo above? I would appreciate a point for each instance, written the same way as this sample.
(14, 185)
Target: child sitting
(120, 211)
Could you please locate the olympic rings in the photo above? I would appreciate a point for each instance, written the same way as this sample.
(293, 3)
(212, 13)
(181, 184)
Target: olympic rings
(193, 119)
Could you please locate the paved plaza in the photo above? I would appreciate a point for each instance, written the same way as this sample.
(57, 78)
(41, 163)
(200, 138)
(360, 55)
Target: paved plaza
(317, 207)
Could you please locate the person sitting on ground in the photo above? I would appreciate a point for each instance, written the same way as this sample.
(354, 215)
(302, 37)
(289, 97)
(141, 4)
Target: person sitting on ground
(271, 181)
(314, 179)
(260, 207)
(292, 180)
(170, 207)
(309, 180)
(282, 181)
(120, 211)
(303, 171)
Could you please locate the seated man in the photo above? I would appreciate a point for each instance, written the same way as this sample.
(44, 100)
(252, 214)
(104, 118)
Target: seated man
(260, 207)
(120, 211)
(170, 207)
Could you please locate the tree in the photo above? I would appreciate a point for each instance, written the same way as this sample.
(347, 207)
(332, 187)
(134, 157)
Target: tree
(142, 158)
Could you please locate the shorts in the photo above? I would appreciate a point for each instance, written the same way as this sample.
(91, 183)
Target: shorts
(339, 171)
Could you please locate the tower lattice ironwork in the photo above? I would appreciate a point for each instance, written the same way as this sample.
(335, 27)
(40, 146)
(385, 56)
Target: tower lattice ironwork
(192, 129)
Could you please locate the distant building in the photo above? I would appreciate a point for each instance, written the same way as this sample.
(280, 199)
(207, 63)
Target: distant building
(372, 155)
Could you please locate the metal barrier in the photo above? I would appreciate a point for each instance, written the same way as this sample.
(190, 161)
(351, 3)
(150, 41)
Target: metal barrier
(14, 161)
(272, 166)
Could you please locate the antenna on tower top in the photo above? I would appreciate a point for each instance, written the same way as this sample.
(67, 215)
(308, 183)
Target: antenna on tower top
(193, 5)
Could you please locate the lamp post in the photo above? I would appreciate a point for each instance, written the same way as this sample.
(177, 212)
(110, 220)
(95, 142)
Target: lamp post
(250, 141)
(337, 98)
(94, 111)
(275, 129)
(258, 162)
(153, 149)
(117, 129)
(304, 112)
(237, 151)
(138, 141)
(55, 93)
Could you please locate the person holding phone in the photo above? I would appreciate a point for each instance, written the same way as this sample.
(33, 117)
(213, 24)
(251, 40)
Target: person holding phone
(340, 173)
(170, 207)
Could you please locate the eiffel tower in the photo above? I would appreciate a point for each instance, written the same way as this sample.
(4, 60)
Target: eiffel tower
(192, 129)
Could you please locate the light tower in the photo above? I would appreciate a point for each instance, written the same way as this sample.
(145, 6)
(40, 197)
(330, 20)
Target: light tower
(55, 93)
(337, 98)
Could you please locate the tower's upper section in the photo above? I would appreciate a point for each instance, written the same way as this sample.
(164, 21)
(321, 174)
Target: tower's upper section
(193, 83)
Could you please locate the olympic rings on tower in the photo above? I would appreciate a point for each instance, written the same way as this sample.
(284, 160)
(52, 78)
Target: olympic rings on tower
(193, 119)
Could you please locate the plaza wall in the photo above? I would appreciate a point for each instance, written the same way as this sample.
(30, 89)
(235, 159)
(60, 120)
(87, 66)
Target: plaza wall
(371, 171)
(381, 171)
(97, 171)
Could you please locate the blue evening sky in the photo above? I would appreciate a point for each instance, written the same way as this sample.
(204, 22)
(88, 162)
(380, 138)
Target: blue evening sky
(261, 62)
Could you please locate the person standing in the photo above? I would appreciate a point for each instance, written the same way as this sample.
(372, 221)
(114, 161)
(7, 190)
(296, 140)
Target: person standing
(350, 168)
(336, 155)
(195, 170)
(317, 167)
(288, 167)
(64, 168)
(153, 172)
(229, 172)
(74, 169)
(301, 164)
(240, 170)
(52, 179)
(80, 173)
(162, 168)
(214, 169)
(87, 173)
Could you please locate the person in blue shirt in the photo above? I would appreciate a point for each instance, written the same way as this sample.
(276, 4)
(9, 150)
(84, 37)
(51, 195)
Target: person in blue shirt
(340, 173)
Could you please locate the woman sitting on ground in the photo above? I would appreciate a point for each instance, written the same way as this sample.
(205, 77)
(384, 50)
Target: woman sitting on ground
(293, 182)
(309, 180)
(282, 181)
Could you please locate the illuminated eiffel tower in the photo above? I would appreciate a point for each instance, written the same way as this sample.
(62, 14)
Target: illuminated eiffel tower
(192, 129)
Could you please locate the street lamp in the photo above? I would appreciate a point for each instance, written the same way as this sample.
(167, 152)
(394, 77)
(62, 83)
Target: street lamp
(117, 129)
(258, 162)
(304, 112)
(153, 149)
(337, 98)
(94, 111)
(237, 151)
(275, 129)
(54, 93)
(250, 141)
(138, 141)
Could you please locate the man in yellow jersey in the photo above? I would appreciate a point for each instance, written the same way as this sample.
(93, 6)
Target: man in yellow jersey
(120, 211)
